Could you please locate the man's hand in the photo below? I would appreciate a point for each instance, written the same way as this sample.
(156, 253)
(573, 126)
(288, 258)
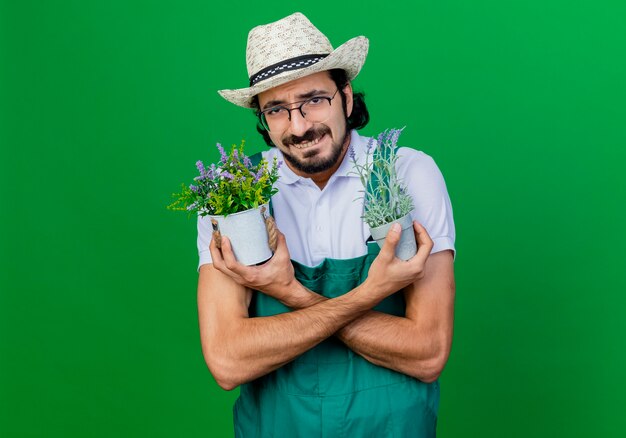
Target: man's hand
(274, 277)
(388, 274)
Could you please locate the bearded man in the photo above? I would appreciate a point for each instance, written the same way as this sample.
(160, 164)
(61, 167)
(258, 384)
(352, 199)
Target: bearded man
(331, 336)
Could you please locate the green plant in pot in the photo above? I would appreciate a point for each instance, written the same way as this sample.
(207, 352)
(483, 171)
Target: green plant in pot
(385, 199)
(235, 194)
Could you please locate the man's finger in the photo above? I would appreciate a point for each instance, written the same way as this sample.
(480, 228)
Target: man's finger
(229, 256)
(280, 238)
(424, 243)
(388, 250)
(422, 236)
(281, 242)
(216, 254)
(225, 259)
(235, 269)
(218, 259)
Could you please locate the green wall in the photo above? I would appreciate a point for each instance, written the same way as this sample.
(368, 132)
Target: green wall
(106, 105)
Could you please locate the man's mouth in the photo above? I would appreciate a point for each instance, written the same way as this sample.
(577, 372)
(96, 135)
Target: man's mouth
(310, 138)
(307, 144)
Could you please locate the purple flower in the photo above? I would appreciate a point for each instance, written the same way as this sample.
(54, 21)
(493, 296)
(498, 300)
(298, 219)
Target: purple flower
(280, 163)
(211, 172)
(227, 175)
(352, 153)
(235, 155)
(370, 143)
(258, 175)
(381, 138)
(224, 157)
(394, 134)
(192, 206)
(200, 167)
(193, 188)
(199, 178)
(247, 162)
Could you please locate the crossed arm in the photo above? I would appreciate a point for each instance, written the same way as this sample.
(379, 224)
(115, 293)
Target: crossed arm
(238, 349)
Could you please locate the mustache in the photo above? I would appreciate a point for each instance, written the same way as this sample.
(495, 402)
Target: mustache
(310, 135)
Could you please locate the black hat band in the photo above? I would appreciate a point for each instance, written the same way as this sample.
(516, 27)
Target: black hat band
(290, 64)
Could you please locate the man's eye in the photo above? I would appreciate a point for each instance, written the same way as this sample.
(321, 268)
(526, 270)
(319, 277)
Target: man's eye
(315, 101)
(276, 111)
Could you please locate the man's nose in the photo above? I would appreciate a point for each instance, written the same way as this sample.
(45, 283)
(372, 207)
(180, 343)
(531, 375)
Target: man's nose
(298, 125)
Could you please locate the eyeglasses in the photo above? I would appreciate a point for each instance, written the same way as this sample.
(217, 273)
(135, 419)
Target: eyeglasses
(315, 110)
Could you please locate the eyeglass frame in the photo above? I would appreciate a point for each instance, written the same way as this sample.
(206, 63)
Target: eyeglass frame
(299, 108)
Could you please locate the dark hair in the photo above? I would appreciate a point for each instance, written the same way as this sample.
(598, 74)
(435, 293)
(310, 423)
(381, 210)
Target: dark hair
(358, 118)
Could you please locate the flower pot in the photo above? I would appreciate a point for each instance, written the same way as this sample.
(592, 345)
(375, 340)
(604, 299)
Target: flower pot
(247, 234)
(407, 246)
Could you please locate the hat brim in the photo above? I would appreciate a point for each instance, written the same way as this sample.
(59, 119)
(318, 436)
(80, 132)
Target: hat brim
(350, 57)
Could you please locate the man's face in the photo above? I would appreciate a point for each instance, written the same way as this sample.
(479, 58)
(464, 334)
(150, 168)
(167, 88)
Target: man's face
(310, 148)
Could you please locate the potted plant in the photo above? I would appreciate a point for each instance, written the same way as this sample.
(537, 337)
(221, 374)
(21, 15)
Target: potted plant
(386, 200)
(235, 193)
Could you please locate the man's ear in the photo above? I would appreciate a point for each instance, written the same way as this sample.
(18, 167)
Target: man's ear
(347, 90)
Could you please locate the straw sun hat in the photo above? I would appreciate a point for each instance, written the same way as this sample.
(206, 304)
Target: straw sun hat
(290, 49)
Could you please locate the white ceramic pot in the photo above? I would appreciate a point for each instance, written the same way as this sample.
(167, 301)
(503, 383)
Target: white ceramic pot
(247, 234)
(407, 246)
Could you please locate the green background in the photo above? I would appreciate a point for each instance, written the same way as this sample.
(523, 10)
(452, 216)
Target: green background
(106, 105)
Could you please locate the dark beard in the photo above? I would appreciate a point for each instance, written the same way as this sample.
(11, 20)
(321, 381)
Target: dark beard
(320, 165)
